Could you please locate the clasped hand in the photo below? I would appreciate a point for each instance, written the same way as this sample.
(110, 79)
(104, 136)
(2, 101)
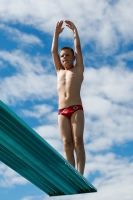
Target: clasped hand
(59, 27)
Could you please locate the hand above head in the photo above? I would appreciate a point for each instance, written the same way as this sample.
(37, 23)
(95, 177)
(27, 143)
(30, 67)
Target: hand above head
(58, 27)
(70, 25)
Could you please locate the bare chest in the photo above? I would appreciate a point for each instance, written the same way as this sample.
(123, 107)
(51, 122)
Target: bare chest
(69, 77)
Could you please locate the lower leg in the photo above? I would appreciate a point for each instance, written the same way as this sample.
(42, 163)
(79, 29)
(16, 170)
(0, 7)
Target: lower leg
(80, 155)
(69, 154)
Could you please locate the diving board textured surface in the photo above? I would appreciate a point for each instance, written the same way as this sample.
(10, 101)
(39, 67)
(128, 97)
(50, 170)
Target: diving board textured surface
(26, 152)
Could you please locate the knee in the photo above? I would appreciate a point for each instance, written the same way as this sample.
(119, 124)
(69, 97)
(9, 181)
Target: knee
(78, 144)
(68, 146)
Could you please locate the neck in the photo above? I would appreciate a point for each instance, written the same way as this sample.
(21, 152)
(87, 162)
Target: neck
(68, 67)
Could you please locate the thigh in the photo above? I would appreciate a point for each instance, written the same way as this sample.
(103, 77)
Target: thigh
(77, 123)
(65, 129)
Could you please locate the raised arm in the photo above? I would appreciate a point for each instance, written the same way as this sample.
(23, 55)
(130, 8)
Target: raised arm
(54, 49)
(77, 45)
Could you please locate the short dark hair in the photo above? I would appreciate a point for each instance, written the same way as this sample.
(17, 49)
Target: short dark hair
(67, 48)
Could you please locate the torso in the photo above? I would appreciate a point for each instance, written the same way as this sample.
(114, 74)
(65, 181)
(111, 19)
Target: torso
(68, 86)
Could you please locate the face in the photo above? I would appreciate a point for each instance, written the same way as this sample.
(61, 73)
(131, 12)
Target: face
(67, 58)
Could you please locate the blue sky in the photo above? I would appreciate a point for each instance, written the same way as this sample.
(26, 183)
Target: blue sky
(28, 87)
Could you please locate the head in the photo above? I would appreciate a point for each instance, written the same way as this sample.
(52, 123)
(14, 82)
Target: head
(67, 57)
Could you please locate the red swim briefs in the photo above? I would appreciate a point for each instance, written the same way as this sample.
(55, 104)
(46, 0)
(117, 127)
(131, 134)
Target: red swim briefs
(69, 110)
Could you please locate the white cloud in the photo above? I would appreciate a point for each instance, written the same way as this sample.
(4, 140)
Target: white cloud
(20, 37)
(30, 86)
(97, 106)
(107, 24)
(48, 131)
(102, 132)
(51, 134)
(31, 80)
(10, 178)
(114, 173)
(107, 98)
(53, 117)
(1, 63)
(114, 84)
(33, 198)
(38, 111)
(125, 56)
(23, 62)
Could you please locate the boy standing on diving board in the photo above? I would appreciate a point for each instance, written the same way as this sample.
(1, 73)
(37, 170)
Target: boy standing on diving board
(69, 80)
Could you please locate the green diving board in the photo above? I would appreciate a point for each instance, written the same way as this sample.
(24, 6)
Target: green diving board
(26, 152)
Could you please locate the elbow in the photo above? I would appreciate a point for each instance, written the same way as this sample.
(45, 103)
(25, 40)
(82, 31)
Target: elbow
(54, 50)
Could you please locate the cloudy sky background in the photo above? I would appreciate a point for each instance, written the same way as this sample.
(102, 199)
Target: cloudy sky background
(28, 87)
